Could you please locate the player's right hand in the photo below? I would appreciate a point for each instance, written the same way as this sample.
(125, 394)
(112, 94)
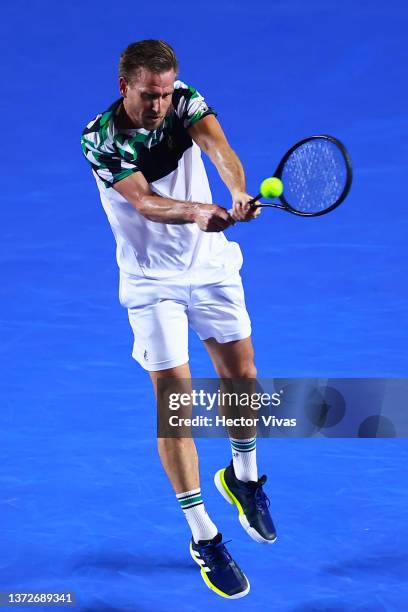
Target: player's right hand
(213, 218)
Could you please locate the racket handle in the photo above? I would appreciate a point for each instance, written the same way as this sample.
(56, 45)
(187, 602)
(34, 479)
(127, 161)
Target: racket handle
(252, 202)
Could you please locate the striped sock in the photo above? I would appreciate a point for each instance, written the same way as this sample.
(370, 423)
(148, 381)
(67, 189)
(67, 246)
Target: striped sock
(244, 459)
(200, 523)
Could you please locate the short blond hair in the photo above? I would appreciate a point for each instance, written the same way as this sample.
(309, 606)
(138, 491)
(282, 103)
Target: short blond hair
(154, 55)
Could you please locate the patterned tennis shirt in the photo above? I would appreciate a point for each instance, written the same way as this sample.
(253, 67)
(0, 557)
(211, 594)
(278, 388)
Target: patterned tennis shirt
(171, 163)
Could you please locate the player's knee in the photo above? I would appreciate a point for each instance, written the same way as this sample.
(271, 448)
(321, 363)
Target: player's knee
(244, 370)
(248, 371)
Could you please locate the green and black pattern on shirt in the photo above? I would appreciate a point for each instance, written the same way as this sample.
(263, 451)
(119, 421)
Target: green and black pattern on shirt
(117, 153)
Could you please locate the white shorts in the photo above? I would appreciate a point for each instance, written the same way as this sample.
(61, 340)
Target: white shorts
(161, 311)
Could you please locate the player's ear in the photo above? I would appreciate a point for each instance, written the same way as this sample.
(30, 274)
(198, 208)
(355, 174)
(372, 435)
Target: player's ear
(123, 85)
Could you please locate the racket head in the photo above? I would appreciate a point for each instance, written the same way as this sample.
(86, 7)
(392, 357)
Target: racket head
(316, 174)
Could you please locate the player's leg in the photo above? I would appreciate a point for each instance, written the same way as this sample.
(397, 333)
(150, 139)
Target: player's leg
(180, 461)
(157, 314)
(238, 483)
(179, 457)
(234, 361)
(178, 454)
(218, 313)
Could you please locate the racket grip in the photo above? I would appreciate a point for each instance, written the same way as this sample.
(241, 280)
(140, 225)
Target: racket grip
(252, 202)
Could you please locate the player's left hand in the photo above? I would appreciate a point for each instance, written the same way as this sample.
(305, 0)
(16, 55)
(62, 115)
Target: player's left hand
(241, 210)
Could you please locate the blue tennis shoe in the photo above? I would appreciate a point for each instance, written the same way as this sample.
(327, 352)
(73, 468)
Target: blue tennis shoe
(218, 570)
(252, 504)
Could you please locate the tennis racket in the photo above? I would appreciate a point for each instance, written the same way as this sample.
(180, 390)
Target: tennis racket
(316, 174)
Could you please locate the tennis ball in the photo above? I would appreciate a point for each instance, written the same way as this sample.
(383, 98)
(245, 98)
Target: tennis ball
(271, 187)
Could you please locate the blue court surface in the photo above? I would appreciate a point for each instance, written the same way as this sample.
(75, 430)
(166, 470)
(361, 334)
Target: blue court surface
(84, 503)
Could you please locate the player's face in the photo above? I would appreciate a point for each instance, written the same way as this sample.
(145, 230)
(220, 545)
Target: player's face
(147, 98)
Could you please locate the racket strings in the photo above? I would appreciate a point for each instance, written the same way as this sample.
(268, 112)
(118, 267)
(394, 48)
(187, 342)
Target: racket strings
(314, 176)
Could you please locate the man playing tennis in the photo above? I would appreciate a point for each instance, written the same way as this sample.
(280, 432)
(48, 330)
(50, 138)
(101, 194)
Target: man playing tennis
(178, 269)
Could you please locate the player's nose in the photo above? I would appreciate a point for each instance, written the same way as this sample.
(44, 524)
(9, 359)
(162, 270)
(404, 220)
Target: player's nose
(156, 105)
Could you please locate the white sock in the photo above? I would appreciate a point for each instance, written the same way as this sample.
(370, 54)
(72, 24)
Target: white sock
(194, 510)
(244, 459)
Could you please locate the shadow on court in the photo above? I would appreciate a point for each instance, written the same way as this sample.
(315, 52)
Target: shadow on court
(388, 566)
(322, 606)
(327, 605)
(131, 564)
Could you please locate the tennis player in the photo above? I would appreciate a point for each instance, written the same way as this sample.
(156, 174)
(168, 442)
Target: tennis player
(177, 269)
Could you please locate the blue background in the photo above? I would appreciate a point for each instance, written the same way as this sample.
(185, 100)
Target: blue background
(84, 503)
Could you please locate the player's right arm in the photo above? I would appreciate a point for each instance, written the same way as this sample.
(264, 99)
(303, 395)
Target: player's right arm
(121, 172)
(135, 189)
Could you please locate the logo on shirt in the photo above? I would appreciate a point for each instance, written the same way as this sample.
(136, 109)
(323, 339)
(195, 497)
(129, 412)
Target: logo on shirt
(145, 356)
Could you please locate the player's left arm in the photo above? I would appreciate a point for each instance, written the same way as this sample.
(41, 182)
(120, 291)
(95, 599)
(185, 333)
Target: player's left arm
(210, 137)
